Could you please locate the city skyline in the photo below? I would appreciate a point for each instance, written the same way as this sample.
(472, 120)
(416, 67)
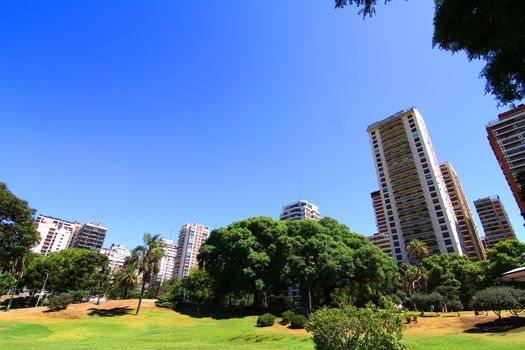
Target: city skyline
(138, 118)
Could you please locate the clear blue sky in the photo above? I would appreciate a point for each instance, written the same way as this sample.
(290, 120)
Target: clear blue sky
(145, 115)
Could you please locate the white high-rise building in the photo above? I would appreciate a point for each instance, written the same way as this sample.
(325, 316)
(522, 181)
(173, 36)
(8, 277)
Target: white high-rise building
(413, 192)
(191, 237)
(117, 254)
(167, 263)
(301, 209)
(55, 234)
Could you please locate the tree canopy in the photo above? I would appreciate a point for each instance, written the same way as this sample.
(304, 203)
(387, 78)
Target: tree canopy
(69, 269)
(492, 31)
(263, 257)
(17, 231)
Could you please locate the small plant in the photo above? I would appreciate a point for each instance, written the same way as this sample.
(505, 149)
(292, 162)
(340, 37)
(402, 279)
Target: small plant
(287, 317)
(266, 320)
(60, 302)
(298, 321)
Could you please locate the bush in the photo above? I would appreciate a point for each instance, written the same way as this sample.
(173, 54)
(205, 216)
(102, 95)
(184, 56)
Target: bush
(266, 320)
(60, 302)
(349, 328)
(497, 299)
(423, 302)
(287, 317)
(79, 296)
(298, 321)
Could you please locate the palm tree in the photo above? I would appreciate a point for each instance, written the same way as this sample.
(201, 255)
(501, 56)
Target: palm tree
(148, 257)
(418, 251)
(128, 275)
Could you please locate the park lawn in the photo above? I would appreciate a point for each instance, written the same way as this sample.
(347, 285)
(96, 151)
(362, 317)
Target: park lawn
(112, 326)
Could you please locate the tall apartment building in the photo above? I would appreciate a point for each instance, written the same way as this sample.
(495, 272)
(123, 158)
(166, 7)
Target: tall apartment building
(467, 228)
(167, 263)
(301, 209)
(382, 242)
(381, 238)
(494, 219)
(55, 234)
(507, 139)
(117, 254)
(191, 237)
(90, 236)
(412, 188)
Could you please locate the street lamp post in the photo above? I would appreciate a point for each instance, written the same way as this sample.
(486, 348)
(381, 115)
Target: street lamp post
(42, 290)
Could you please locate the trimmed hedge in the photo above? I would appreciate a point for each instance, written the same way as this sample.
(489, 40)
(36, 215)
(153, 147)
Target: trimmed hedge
(287, 317)
(266, 320)
(298, 321)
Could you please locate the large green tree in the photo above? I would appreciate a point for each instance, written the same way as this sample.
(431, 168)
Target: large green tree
(504, 256)
(70, 269)
(488, 30)
(262, 257)
(454, 271)
(148, 258)
(17, 232)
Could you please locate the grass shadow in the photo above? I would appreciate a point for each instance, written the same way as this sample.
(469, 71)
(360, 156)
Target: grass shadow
(116, 311)
(498, 326)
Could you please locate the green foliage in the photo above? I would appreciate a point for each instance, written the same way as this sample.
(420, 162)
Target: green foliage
(287, 316)
(60, 302)
(503, 257)
(423, 302)
(79, 296)
(262, 257)
(493, 31)
(266, 320)
(298, 321)
(350, 327)
(194, 289)
(497, 299)
(17, 232)
(69, 269)
(7, 282)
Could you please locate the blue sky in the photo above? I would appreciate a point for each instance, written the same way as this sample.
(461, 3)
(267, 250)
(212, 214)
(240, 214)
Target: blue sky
(147, 115)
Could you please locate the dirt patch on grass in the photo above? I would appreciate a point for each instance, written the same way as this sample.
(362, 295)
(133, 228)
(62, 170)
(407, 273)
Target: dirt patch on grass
(280, 328)
(450, 324)
(76, 311)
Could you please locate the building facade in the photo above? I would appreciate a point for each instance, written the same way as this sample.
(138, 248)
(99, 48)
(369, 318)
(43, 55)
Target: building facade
(494, 219)
(412, 189)
(167, 263)
(301, 209)
(89, 236)
(467, 228)
(191, 237)
(55, 234)
(381, 238)
(117, 254)
(507, 138)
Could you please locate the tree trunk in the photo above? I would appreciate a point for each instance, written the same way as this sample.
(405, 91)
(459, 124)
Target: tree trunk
(141, 295)
(126, 293)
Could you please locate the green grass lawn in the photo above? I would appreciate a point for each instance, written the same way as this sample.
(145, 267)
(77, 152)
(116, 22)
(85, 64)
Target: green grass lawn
(165, 329)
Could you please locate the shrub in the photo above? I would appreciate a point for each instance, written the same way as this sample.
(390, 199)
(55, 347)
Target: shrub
(298, 321)
(79, 296)
(266, 320)
(423, 302)
(60, 302)
(496, 299)
(349, 328)
(287, 316)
